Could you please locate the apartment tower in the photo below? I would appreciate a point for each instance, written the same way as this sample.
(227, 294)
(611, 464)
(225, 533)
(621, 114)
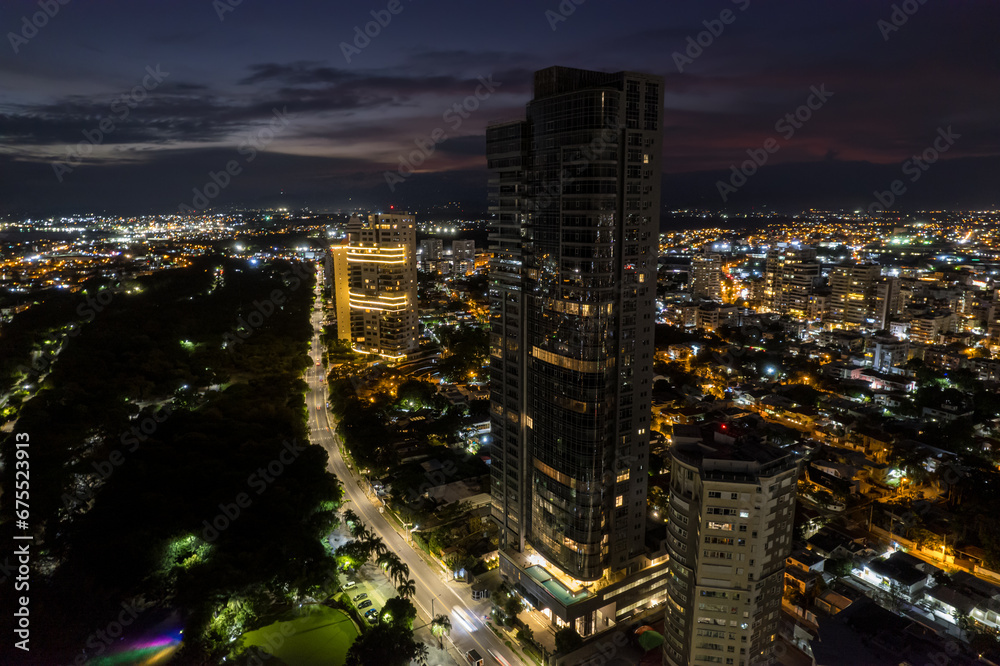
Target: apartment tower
(732, 506)
(852, 297)
(383, 284)
(790, 275)
(574, 200)
(706, 277)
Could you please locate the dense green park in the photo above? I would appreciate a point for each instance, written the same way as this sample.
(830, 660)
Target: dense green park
(170, 458)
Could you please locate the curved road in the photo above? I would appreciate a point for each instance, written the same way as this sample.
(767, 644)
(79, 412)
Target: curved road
(454, 599)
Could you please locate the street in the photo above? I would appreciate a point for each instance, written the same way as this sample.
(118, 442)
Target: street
(435, 593)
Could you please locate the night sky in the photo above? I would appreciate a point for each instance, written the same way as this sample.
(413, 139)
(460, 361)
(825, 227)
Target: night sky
(223, 69)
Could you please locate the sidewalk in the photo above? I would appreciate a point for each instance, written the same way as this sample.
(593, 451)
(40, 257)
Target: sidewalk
(543, 632)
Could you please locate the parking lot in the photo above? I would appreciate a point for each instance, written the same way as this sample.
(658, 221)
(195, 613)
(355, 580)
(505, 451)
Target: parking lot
(374, 583)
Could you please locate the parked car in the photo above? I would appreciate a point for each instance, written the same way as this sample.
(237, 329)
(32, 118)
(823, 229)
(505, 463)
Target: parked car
(365, 604)
(349, 584)
(359, 597)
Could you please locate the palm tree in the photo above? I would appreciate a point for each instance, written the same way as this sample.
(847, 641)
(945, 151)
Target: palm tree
(386, 560)
(421, 655)
(440, 626)
(400, 571)
(406, 588)
(354, 524)
(383, 560)
(378, 547)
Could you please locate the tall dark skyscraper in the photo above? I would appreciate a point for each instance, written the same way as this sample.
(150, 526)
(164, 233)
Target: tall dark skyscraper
(575, 198)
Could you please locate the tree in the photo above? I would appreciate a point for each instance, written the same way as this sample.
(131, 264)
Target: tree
(354, 524)
(512, 606)
(386, 560)
(385, 644)
(567, 640)
(440, 627)
(353, 554)
(378, 548)
(526, 634)
(965, 622)
(454, 563)
(421, 655)
(406, 588)
(891, 597)
(399, 571)
(839, 567)
(399, 611)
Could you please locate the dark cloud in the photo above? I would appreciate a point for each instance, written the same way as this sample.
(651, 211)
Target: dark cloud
(890, 95)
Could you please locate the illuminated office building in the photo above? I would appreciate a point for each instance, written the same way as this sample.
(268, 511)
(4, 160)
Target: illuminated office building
(383, 285)
(338, 280)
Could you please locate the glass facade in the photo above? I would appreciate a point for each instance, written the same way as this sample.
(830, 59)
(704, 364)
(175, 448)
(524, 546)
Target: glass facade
(575, 201)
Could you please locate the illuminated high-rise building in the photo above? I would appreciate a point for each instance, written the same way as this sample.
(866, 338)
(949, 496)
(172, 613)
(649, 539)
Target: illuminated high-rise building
(732, 505)
(852, 297)
(789, 278)
(706, 277)
(574, 199)
(338, 279)
(383, 284)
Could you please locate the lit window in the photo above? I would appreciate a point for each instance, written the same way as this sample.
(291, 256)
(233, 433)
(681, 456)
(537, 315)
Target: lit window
(622, 477)
(618, 501)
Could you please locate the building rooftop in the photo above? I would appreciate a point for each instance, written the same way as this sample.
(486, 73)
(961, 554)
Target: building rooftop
(951, 597)
(902, 572)
(741, 458)
(806, 558)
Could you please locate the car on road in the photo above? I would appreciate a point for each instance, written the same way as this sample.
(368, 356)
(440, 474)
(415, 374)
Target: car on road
(365, 604)
(359, 597)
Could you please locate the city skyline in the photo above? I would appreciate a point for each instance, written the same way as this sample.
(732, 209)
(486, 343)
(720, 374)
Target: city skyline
(310, 122)
(568, 332)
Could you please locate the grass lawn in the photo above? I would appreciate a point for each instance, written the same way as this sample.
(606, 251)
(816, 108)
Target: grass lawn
(321, 636)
